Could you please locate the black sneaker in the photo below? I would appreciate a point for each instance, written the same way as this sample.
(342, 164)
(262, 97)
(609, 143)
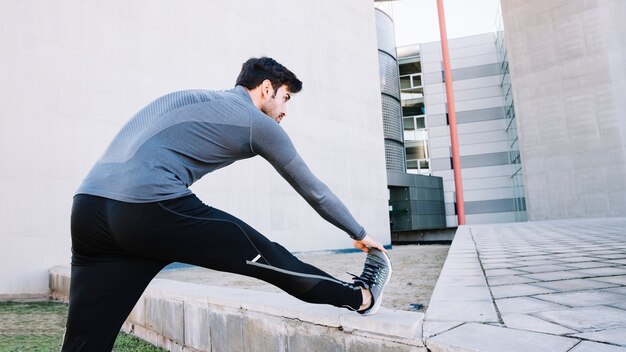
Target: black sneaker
(376, 274)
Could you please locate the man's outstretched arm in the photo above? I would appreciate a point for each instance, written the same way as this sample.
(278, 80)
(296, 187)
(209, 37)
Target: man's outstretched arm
(270, 141)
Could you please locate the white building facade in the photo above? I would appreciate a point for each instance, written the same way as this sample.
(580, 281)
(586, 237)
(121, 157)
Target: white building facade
(483, 143)
(73, 73)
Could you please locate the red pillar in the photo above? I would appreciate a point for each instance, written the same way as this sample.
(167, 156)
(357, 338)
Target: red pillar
(447, 73)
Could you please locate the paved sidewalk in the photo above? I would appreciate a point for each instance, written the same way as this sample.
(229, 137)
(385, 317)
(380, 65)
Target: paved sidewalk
(535, 286)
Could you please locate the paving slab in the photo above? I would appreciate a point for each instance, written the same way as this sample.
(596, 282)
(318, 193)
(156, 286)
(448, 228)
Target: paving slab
(615, 256)
(618, 290)
(543, 257)
(487, 338)
(554, 276)
(615, 336)
(503, 265)
(464, 263)
(620, 280)
(587, 318)
(470, 255)
(509, 280)
(587, 265)
(466, 281)
(574, 285)
(538, 262)
(527, 253)
(461, 272)
(603, 251)
(530, 323)
(525, 305)
(602, 271)
(499, 272)
(504, 259)
(433, 328)
(583, 298)
(453, 293)
(542, 268)
(518, 290)
(587, 346)
(620, 305)
(462, 266)
(462, 311)
(579, 259)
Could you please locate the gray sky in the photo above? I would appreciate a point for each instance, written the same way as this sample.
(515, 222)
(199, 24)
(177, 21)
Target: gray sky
(416, 21)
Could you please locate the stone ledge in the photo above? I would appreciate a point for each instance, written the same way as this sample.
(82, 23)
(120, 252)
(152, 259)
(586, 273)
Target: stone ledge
(192, 317)
(461, 293)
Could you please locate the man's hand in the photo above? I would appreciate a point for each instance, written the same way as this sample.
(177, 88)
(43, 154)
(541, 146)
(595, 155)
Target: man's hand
(367, 242)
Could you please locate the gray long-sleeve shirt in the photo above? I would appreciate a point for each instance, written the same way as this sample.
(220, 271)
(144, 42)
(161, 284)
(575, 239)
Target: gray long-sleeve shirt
(182, 136)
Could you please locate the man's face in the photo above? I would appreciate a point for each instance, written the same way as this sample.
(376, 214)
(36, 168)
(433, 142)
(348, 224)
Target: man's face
(276, 104)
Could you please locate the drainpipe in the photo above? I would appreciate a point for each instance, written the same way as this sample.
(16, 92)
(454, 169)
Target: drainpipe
(447, 73)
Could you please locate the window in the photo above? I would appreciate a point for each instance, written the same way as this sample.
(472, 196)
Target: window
(411, 83)
(420, 122)
(411, 67)
(413, 110)
(418, 167)
(405, 82)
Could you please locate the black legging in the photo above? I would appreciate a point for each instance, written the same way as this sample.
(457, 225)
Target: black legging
(119, 247)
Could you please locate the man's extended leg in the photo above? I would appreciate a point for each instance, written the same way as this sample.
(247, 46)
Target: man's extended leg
(185, 230)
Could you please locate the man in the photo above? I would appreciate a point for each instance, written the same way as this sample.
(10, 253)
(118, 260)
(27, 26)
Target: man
(134, 214)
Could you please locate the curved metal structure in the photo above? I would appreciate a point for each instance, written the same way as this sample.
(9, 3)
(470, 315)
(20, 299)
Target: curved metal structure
(390, 93)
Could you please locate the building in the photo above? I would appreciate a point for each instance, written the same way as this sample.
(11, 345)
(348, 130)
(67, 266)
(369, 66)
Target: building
(415, 201)
(483, 142)
(540, 113)
(568, 71)
(72, 74)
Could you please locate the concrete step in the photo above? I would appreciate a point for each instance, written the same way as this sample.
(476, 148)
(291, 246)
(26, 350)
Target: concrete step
(193, 317)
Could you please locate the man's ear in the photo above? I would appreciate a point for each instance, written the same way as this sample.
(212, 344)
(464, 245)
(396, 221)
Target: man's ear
(267, 90)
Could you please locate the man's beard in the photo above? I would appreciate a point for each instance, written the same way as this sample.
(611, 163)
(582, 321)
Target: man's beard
(266, 109)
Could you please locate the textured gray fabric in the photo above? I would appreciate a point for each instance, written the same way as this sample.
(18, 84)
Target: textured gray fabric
(182, 136)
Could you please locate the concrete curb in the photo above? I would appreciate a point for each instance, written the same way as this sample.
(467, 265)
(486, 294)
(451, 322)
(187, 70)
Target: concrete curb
(461, 294)
(192, 317)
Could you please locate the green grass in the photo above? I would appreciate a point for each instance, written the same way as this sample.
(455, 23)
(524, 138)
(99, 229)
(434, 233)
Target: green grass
(39, 326)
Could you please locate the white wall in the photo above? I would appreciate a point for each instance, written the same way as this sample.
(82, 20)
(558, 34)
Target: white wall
(568, 73)
(72, 72)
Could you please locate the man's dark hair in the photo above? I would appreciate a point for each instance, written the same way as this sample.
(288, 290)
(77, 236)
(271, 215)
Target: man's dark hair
(256, 70)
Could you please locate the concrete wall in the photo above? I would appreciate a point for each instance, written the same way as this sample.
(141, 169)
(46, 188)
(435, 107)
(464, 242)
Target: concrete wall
(568, 69)
(73, 72)
(483, 144)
